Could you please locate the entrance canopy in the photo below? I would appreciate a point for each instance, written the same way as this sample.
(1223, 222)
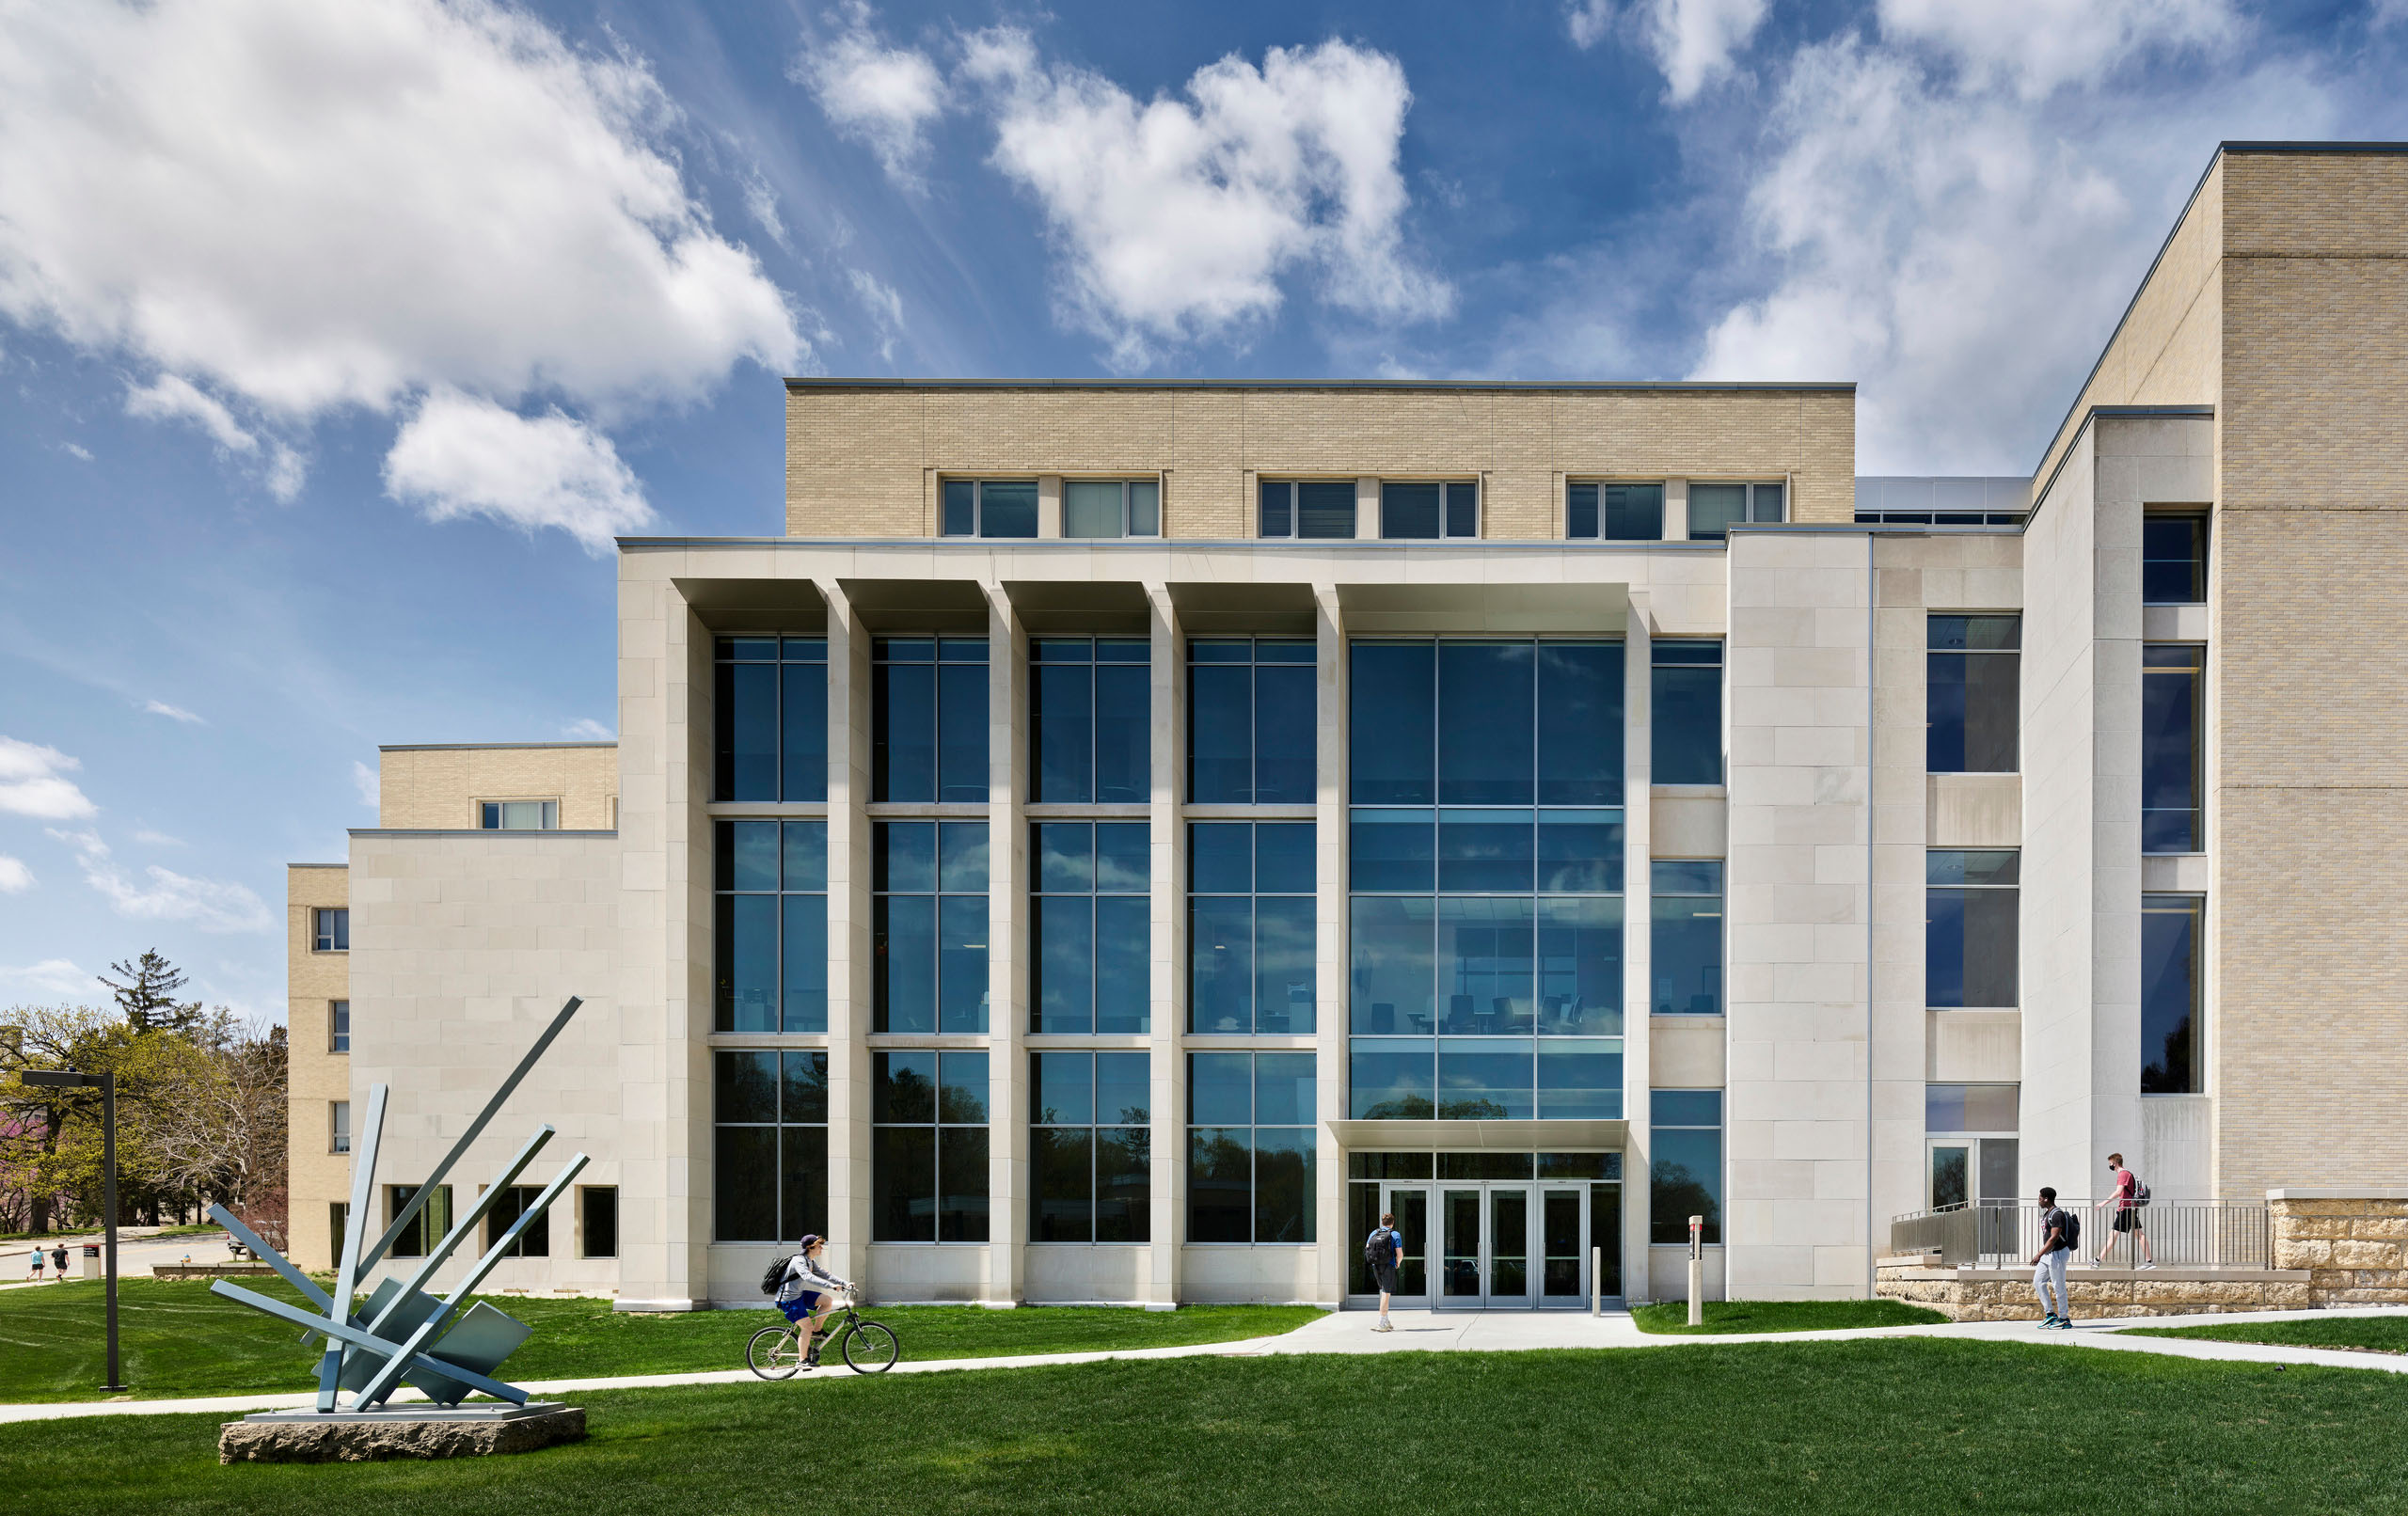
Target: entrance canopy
(1501, 1136)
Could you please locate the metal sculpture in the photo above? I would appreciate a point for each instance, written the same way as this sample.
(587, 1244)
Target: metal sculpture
(399, 1332)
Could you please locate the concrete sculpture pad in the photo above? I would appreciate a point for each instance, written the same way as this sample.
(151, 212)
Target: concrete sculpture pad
(401, 1431)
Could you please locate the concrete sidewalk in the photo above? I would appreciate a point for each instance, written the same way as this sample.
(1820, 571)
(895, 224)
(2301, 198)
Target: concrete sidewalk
(1350, 1331)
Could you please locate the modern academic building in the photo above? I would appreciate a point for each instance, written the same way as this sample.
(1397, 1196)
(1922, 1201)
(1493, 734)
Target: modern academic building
(1124, 836)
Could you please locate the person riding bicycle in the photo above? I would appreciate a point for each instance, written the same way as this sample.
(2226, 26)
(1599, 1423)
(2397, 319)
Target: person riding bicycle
(808, 1293)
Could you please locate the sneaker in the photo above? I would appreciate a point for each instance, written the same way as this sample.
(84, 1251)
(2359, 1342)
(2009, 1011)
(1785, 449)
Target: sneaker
(2048, 1320)
(2148, 1263)
(1386, 1325)
(811, 1359)
(2065, 1324)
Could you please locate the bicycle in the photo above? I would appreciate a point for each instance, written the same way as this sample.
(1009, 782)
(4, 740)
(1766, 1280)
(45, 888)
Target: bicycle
(868, 1347)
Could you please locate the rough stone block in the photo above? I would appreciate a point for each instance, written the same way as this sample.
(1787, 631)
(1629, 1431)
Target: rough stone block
(359, 1440)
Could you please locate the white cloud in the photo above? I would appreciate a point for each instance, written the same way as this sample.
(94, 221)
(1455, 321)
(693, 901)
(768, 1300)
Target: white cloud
(283, 208)
(874, 93)
(75, 451)
(463, 455)
(884, 305)
(365, 781)
(586, 729)
(2036, 46)
(761, 204)
(87, 843)
(211, 905)
(1961, 250)
(15, 879)
(158, 839)
(1692, 41)
(1177, 218)
(51, 976)
(173, 713)
(34, 782)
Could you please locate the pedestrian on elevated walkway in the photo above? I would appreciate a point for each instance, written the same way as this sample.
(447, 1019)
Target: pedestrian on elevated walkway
(2129, 1197)
(2058, 1231)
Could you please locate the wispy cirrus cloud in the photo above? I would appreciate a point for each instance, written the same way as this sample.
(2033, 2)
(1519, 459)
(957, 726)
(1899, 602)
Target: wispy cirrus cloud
(173, 713)
(34, 782)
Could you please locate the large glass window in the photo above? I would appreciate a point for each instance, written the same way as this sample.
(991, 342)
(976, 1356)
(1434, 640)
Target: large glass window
(1416, 509)
(2174, 560)
(1684, 948)
(1970, 932)
(1090, 720)
(1686, 714)
(1090, 924)
(1614, 512)
(1250, 926)
(1972, 707)
(1686, 1128)
(1250, 732)
(1089, 1147)
(771, 711)
(929, 718)
(2172, 1059)
(929, 914)
(990, 508)
(1112, 508)
(432, 1224)
(769, 1169)
(1306, 508)
(771, 900)
(1714, 509)
(928, 1147)
(1486, 941)
(2171, 680)
(1251, 1146)
(534, 1242)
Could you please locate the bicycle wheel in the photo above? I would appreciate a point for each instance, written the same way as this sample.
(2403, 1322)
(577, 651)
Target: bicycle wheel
(772, 1352)
(871, 1349)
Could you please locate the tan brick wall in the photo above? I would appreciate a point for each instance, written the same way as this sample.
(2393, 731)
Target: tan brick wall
(433, 788)
(317, 1076)
(864, 463)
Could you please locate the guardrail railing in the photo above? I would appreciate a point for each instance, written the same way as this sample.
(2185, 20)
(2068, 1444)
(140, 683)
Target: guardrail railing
(2174, 1234)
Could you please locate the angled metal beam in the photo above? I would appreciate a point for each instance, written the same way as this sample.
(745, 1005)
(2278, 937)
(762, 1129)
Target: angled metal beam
(383, 1243)
(306, 1286)
(382, 1386)
(466, 1227)
(363, 1191)
(364, 1342)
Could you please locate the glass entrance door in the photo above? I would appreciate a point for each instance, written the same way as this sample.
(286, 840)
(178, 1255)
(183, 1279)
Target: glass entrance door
(1509, 1245)
(1563, 1254)
(1410, 1206)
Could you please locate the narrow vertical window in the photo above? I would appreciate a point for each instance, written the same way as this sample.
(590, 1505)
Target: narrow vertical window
(929, 719)
(928, 925)
(928, 1147)
(770, 717)
(1685, 951)
(1250, 1147)
(769, 1158)
(597, 1219)
(1687, 1177)
(1250, 926)
(2171, 682)
(1973, 696)
(1686, 721)
(2173, 1058)
(338, 1026)
(1090, 1146)
(1277, 501)
(1580, 511)
(1971, 936)
(2174, 560)
(770, 923)
(1089, 922)
(339, 1119)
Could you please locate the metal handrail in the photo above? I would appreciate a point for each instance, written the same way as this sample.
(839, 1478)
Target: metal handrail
(2181, 1234)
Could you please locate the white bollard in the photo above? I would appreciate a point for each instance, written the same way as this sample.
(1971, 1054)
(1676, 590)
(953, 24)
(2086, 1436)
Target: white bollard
(1596, 1281)
(1697, 1270)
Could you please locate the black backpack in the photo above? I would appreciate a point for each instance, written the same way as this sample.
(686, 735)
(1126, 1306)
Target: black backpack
(2072, 1230)
(1380, 1247)
(775, 1278)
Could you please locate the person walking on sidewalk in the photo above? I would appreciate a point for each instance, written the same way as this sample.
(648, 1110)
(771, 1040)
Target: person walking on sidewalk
(1384, 1250)
(38, 1262)
(2060, 1233)
(2129, 1197)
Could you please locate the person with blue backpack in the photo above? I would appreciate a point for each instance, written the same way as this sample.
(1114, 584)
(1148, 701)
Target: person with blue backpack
(1384, 1250)
(2060, 1235)
(802, 1285)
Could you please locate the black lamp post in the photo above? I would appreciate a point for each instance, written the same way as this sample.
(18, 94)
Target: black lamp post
(106, 1084)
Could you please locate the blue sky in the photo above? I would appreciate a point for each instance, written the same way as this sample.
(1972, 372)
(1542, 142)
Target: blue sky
(336, 341)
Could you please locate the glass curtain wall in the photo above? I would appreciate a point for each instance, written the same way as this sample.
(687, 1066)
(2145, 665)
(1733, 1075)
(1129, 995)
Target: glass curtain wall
(928, 1147)
(1250, 935)
(770, 712)
(1250, 734)
(1969, 929)
(1090, 924)
(1250, 1147)
(1487, 875)
(1090, 720)
(928, 923)
(2173, 1053)
(1089, 1146)
(929, 719)
(2171, 679)
(771, 920)
(1684, 948)
(770, 1168)
(1973, 709)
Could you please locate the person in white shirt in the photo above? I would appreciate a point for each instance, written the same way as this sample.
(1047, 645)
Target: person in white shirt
(808, 1293)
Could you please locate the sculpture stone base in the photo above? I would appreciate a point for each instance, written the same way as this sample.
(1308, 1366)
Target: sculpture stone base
(401, 1431)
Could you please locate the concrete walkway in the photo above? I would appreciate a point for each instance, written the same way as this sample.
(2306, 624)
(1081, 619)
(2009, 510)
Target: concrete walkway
(1350, 1331)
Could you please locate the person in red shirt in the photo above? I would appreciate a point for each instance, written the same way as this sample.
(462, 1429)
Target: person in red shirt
(2128, 1213)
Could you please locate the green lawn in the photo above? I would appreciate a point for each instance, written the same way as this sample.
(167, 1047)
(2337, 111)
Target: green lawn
(178, 1339)
(1783, 1316)
(1857, 1428)
(2388, 1333)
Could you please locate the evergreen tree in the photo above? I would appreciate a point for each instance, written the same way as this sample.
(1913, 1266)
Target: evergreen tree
(147, 995)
